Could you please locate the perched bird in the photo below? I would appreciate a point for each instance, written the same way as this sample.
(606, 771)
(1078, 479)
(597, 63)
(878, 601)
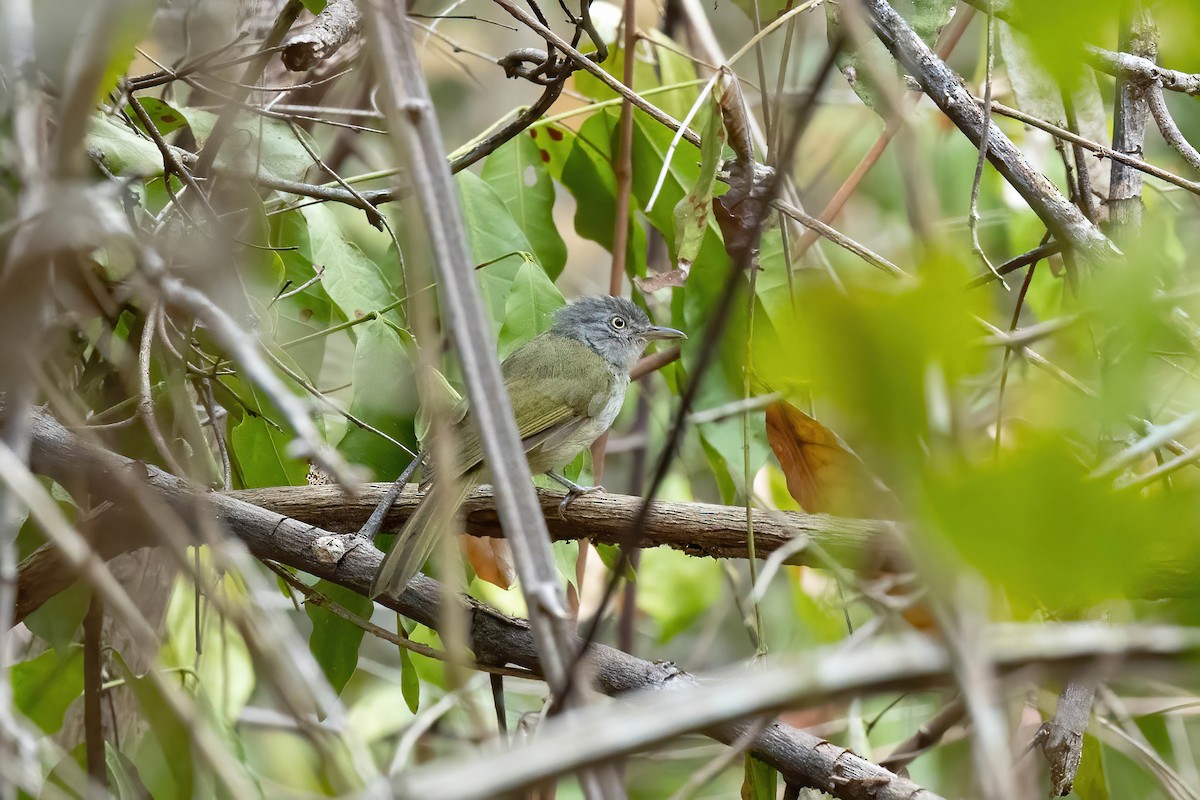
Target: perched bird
(566, 386)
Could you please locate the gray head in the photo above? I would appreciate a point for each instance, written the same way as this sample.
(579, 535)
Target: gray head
(612, 326)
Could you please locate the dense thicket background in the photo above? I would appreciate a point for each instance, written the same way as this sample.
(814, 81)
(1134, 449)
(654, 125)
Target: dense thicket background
(229, 271)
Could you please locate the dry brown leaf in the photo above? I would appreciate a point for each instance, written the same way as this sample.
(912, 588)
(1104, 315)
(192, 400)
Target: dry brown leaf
(661, 280)
(490, 558)
(823, 474)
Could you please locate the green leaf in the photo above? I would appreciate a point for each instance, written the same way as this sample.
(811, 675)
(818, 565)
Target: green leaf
(410, 681)
(385, 397)
(257, 146)
(582, 162)
(760, 780)
(532, 301)
(694, 211)
(519, 177)
(45, 686)
(121, 151)
(165, 118)
(259, 449)
(165, 757)
(1090, 782)
(496, 239)
(355, 283)
(58, 619)
(315, 6)
(334, 641)
(124, 775)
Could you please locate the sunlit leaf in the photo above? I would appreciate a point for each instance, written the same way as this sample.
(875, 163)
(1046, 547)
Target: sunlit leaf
(674, 589)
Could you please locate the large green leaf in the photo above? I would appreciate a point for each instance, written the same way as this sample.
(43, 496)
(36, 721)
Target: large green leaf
(532, 301)
(334, 641)
(519, 177)
(355, 283)
(45, 686)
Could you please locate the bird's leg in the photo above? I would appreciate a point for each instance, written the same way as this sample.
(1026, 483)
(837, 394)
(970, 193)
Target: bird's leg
(574, 490)
(371, 527)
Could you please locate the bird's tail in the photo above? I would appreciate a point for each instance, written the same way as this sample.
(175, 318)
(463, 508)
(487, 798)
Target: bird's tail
(417, 538)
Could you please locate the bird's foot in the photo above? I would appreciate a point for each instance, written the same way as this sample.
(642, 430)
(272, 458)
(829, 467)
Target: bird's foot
(574, 491)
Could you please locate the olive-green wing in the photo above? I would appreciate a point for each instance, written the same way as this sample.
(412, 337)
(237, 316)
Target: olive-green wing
(554, 383)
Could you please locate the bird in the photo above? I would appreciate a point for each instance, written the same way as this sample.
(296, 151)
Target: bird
(566, 386)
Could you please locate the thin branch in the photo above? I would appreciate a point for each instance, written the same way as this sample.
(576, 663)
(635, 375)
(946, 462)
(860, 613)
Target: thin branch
(945, 88)
(1167, 127)
(840, 239)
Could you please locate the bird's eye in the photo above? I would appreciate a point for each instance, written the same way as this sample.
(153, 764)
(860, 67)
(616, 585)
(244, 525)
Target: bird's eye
(617, 322)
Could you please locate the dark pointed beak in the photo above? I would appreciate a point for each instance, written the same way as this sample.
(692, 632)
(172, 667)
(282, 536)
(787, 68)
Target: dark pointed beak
(657, 332)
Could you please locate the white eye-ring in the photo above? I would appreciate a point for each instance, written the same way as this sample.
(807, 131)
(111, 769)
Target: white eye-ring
(617, 322)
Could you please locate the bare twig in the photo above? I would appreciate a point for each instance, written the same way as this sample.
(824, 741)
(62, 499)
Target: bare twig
(1095, 147)
(1167, 127)
(927, 735)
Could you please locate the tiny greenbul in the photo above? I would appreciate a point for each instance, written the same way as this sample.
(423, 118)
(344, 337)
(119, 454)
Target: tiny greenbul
(566, 386)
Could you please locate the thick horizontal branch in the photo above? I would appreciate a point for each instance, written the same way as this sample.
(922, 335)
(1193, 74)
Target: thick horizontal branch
(801, 758)
(698, 529)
